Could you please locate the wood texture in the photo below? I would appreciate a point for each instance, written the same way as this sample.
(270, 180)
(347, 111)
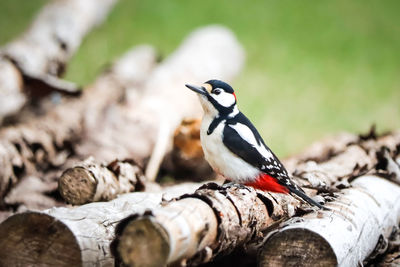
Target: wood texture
(196, 226)
(31, 64)
(91, 181)
(78, 236)
(361, 216)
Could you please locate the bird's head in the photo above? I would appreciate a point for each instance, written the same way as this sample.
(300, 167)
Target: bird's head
(216, 97)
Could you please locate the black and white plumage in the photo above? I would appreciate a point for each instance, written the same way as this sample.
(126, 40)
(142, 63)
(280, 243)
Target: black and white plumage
(234, 148)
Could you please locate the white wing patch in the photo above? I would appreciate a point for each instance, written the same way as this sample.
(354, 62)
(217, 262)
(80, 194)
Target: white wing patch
(246, 134)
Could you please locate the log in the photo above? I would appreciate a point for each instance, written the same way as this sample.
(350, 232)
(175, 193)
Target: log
(31, 64)
(91, 181)
(362, 218)
(47, 142)
(322, 150)
(229, 217)
(202, 224)
(78, 236)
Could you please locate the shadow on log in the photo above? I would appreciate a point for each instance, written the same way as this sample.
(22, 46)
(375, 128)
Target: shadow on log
(32, 63)
(78, 236)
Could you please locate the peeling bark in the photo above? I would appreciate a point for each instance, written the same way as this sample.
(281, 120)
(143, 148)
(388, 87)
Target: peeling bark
(32, 63)
(47, 142)
(78, 236)
(203, 224)
(91, 181)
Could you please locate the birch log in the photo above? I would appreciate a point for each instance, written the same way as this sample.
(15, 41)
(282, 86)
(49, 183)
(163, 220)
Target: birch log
(228, 217)
(91, 181)
(363, 217)
(78, 236)
(48, 141)
(34, 61)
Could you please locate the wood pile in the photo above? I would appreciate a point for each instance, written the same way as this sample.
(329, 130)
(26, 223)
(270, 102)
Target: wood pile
(79, 176)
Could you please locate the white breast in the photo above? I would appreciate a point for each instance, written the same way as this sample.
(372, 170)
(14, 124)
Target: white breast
(221, 159)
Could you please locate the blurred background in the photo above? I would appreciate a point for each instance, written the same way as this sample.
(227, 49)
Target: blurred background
(313, 67)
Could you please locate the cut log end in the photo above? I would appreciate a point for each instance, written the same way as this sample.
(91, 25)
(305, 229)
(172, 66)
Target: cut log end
(296, 247)
(77, 191)
(140, 240)
(35, 238)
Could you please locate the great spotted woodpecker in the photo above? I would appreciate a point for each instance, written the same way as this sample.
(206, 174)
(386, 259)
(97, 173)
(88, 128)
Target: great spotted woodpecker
(234, 148)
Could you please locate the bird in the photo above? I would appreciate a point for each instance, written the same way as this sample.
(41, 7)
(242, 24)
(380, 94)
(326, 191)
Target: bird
(234, 148)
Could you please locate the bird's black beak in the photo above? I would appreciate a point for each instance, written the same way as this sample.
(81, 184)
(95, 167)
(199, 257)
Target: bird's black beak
(198, 89)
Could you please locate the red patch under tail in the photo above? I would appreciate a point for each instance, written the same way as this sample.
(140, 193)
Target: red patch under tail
(268, 183)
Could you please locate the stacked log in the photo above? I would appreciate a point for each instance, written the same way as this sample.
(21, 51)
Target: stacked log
(78, 236)
(228, 217)
(47, 142)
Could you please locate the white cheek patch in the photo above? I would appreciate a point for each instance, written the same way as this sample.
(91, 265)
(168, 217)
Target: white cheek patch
(224, 99)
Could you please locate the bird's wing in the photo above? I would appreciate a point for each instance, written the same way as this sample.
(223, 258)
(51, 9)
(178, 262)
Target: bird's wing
(244, 141)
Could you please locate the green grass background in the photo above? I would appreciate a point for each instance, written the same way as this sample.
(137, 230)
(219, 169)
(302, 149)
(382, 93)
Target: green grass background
(313, 67)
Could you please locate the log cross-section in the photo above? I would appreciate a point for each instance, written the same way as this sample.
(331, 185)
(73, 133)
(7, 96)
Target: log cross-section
(90, 181)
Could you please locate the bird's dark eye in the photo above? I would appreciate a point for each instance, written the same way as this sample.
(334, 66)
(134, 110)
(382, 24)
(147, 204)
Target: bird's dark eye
(217, 91)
